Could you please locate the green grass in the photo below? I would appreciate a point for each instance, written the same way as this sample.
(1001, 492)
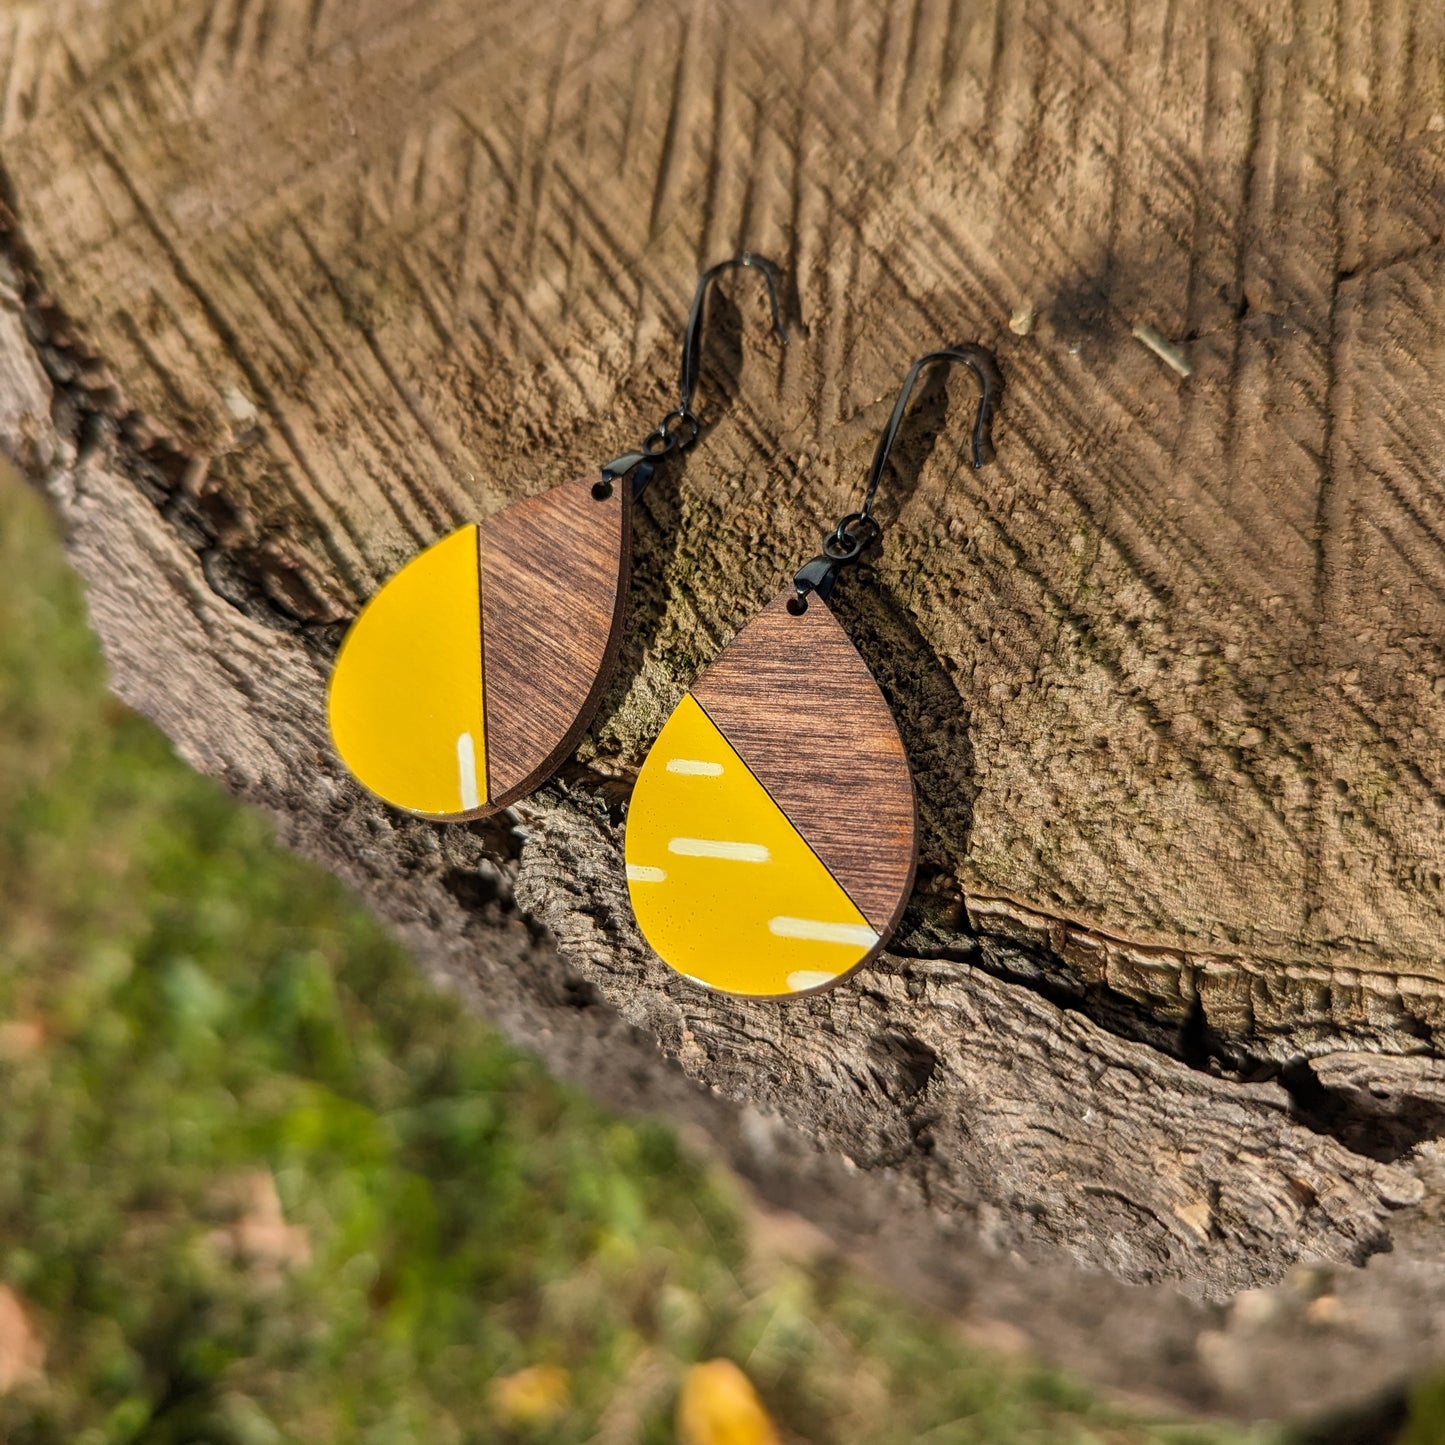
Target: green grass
(187, 1012)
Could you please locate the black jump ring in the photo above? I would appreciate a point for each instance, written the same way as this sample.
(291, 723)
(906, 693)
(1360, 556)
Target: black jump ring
(841, 553)
(843, 544)
(669, 436)
(681, 418)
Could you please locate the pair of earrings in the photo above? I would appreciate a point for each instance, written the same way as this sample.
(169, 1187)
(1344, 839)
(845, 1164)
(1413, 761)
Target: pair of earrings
(770, 849)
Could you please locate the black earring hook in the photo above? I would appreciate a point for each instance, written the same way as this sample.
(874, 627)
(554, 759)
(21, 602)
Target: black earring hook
(692, 337)
(984, 365)
(680, 428)
(847, 541)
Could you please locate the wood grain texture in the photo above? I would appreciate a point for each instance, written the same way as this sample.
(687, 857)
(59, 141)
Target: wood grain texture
(554, 597)
(801, 709)
(295, 289)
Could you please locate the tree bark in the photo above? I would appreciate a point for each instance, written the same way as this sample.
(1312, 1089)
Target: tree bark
(1152, 1069)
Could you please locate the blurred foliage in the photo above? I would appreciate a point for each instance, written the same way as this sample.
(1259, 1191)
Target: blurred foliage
(260, 1183)
(1425, 1409)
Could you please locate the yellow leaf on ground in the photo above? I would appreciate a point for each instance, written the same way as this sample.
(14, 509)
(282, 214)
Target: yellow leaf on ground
(719, 1406)
(532, 1396)
(22, 1355)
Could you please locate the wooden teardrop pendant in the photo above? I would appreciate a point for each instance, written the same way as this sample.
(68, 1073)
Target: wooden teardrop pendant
(772, 837)
(477, 668)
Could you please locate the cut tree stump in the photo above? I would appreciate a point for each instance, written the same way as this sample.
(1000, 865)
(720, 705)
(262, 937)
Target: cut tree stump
(1152, 1070)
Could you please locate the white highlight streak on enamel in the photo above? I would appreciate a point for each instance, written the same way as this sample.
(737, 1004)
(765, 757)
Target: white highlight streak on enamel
(806, 978)
(718, 848)
(643, 873)
(693, 767)
(467, 767)
(816, 931)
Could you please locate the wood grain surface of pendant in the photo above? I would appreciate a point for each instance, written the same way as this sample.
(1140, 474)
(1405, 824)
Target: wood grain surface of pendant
(772, 837)
(477, 668)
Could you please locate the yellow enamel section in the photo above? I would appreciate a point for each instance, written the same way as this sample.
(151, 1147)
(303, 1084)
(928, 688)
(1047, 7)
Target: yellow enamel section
(724, 887)
(405, 704)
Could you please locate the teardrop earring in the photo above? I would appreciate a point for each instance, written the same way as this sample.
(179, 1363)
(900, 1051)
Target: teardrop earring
(772, 836)
(475, 670)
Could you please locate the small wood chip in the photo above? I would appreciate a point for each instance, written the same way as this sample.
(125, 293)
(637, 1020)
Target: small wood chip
(1166, 351)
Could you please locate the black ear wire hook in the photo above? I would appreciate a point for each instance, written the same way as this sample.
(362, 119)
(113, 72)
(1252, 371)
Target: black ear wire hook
(847, 541)
(692, 337)
(680, 428)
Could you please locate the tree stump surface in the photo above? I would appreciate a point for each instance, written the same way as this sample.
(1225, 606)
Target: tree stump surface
(1152, 1070)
